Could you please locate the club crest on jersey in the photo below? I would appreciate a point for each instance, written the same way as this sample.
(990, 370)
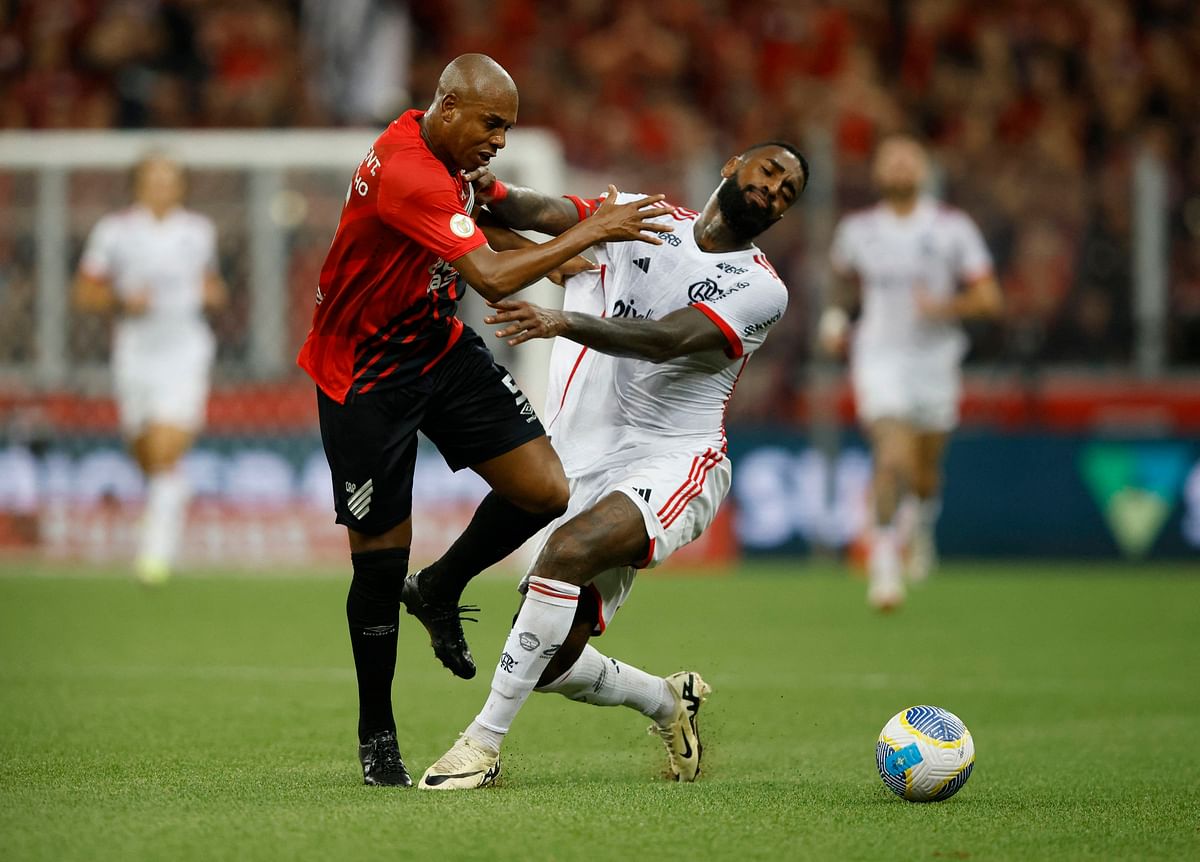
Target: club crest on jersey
(461, 225)
(708, 290)
(358, 500)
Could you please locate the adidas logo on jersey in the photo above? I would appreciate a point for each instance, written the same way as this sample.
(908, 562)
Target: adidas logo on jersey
(642, 263)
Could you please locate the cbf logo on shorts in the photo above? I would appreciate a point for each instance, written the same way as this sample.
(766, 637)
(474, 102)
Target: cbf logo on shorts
(522, 402)
(359, 499)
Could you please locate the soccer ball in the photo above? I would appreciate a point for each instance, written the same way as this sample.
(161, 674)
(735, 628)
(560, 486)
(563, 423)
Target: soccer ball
(925, 754)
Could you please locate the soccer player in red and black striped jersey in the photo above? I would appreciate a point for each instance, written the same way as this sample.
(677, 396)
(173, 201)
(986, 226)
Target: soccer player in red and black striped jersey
(390, 357)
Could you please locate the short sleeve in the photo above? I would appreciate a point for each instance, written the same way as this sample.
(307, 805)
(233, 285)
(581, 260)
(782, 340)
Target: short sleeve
(745, 314)
(428, 211)
(99, 253)
(841, 252)
(974, 259)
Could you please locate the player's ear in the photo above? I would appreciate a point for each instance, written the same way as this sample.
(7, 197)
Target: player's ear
(448, 106)
(731, 166)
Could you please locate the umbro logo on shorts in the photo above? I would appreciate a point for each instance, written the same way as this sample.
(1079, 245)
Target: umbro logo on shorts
(642, 263)
(359, 503)
(521, 401)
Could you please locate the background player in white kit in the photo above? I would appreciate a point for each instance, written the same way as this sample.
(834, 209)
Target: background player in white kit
(917, 268)
(652, 345)
(154, 267)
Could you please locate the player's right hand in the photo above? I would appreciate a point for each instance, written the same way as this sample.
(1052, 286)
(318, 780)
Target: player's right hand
(525, 321)
(631, 221)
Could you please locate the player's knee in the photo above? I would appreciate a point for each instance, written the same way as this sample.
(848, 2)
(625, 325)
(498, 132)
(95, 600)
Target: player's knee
(893, 466)
(565, 558)
(926, 483)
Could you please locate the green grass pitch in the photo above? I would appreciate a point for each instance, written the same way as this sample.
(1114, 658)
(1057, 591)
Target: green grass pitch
(214, 719)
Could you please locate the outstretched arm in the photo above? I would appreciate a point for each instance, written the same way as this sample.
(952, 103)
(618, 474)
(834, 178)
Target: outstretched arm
(679, 333)
(503, 239)
(524, 208)
(496, 275)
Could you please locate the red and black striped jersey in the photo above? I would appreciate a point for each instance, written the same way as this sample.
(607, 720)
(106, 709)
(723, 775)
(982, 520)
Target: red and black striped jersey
(387, 294)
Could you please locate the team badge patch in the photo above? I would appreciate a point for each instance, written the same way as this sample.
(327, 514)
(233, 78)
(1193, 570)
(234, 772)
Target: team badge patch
(461, 225)
(529, 641)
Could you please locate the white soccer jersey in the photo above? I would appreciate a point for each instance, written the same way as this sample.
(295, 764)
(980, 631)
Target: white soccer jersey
(168, 259)
(933, 248)
(160, 358)
(612, 410)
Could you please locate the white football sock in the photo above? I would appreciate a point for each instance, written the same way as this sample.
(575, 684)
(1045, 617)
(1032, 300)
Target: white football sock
(597, 679)
(167, 495)
(884, 563)
(539, 630)
(928, 510)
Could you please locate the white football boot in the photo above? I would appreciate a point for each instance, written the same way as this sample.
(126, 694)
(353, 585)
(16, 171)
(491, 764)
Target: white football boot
(680, 734)
(468, 764)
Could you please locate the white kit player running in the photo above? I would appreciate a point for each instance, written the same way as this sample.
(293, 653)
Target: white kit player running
(904, 261)
(651, 346)
(154, 266)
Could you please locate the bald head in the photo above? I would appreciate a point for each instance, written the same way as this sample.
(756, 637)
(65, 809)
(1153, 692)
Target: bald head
(475, 77)
(474, 107)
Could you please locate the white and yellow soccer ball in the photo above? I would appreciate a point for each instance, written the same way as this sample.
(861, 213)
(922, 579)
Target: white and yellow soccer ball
(925, 754)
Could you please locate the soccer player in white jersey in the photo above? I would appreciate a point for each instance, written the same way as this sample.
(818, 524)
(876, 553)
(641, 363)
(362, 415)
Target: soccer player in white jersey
(649, 348)
(916, 268)
(154, 267)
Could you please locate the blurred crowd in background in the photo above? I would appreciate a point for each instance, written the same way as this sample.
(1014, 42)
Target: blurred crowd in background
(1034, 109)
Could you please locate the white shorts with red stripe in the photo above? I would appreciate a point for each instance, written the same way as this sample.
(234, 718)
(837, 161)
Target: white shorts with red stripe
(678, 494)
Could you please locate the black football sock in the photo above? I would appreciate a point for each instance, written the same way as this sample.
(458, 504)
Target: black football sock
(496, 530)
(373, 614)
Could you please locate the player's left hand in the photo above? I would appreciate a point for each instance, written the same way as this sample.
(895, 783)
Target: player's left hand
(525, 320)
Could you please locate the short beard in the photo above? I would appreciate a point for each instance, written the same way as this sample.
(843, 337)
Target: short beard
(899, 193)
(745, 219)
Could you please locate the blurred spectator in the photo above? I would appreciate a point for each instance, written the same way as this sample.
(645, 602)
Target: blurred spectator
(359, 56)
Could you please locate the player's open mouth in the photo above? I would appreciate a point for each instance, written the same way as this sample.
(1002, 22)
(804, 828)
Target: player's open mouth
(485, 157)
